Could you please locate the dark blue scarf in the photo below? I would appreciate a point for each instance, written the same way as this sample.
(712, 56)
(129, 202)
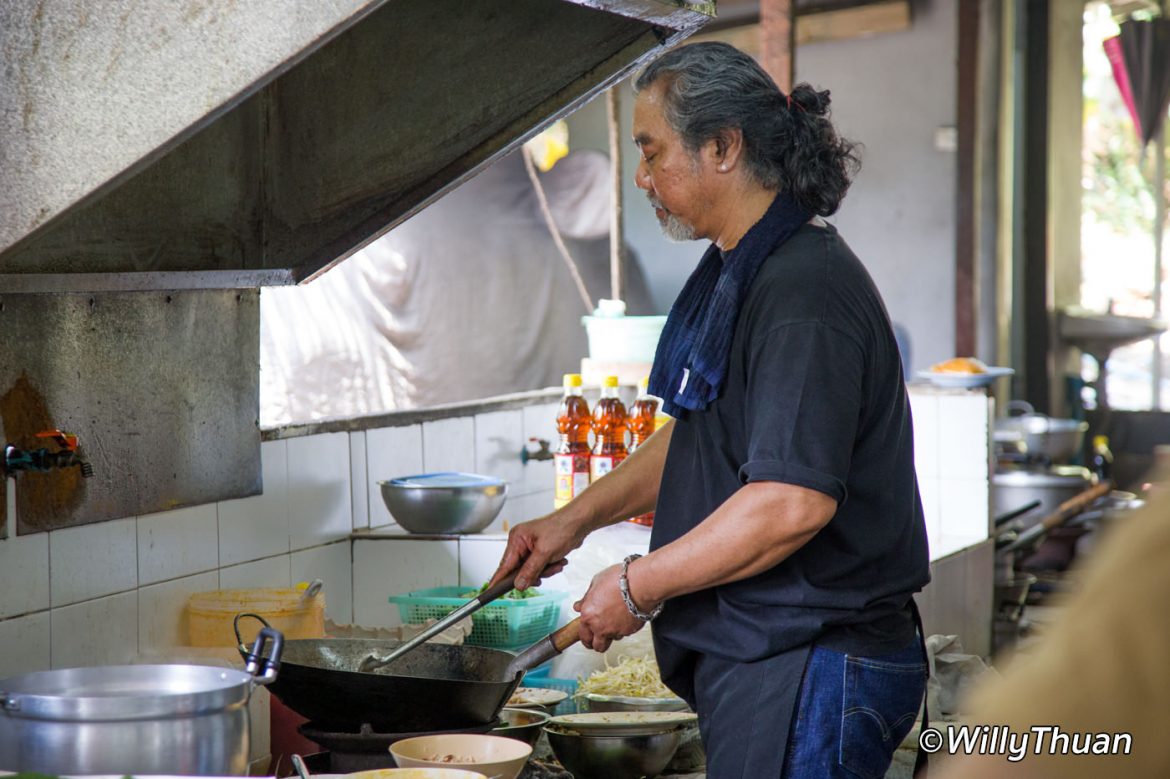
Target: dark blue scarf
(695, 346)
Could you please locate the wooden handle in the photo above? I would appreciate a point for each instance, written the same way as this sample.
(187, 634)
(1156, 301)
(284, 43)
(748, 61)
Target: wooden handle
(1076, 504)
(566, 636)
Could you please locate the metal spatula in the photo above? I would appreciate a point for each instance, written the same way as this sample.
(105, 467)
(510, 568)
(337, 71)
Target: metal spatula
(372, 661)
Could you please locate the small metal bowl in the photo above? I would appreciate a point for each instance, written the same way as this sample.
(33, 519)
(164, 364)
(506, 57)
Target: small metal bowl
(613, 756)
(440, 503)
(521, 724)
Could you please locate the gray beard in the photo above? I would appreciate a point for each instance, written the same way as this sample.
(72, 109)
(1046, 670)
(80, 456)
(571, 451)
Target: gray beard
(674, 228)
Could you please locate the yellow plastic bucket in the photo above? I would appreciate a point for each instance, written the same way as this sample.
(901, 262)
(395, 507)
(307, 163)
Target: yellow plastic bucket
(210, 614)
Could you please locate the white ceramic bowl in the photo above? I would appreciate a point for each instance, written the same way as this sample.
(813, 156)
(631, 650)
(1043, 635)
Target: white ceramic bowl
(417, 773)
(497, 757)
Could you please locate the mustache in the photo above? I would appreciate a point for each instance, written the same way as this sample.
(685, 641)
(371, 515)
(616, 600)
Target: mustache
(655, 202)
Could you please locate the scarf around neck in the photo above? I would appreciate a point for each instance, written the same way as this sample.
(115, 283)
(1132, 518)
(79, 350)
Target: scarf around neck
(694, 350)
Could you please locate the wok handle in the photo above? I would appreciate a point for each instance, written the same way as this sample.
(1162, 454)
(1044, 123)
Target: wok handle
(264, 669)
(1066, 511)
(545, 649)
(565, 637)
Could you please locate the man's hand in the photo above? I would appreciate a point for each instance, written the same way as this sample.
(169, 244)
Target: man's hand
(540, 544)
(604, 616)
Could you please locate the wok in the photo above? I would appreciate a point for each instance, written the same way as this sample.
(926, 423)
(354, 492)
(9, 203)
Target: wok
(434, 687)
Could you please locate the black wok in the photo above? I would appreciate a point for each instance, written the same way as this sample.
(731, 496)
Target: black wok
(434, 687)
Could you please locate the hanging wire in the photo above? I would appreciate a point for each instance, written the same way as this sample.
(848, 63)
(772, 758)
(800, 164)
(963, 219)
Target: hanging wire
(556, 233)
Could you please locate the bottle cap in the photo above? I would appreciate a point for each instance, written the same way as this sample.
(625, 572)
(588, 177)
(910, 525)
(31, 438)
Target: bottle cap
(610, 381)
(1100, 440)
(572, 380)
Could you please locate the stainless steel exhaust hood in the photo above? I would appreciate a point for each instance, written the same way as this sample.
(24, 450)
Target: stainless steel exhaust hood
(219, 144)
(158, 161)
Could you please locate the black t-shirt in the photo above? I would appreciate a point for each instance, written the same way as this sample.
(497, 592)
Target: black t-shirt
(814, 396)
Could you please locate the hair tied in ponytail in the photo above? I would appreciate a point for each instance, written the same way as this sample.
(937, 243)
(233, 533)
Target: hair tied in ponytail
(789, 98)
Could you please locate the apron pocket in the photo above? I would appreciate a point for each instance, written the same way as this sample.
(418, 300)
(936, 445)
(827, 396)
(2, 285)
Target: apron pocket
(881, 703)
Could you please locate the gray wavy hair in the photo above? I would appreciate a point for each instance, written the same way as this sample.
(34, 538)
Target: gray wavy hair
(789, 141)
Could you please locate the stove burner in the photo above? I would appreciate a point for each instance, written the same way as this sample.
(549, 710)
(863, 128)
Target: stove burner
(365, 750)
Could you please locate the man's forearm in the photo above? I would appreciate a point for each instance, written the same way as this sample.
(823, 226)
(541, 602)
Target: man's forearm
(626, 491)
(755, 529)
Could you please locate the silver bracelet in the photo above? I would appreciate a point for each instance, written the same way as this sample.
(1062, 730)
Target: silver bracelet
(624, 586)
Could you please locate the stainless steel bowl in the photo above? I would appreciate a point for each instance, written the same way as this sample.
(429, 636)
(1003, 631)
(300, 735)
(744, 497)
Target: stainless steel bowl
(444, 502)
(521, 724)
(613, 756)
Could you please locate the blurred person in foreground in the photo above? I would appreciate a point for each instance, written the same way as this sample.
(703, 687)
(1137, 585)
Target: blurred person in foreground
(1099, 674)
(788, 537)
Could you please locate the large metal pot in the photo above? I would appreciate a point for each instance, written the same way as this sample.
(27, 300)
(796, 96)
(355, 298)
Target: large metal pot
(1042, 436)
(1051, 486)
(133, 719)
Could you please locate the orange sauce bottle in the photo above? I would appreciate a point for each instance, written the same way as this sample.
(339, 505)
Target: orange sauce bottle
(609, 430)
(571, 459)
(642, 424)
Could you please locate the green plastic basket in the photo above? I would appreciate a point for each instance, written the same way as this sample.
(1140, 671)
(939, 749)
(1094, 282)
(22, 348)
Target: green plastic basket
(502, 624)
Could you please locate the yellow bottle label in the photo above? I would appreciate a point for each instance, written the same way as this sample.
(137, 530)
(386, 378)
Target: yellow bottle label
(572, 477)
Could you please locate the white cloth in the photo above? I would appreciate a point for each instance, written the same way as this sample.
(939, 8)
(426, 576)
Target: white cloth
(467, 299)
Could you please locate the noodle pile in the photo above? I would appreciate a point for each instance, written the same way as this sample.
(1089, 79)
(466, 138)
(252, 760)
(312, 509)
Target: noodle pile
(633, 677)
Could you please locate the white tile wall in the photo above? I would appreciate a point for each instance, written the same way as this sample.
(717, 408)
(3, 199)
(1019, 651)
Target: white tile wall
(97, 632)
(162, 619)
(390, 452)
(386, 567)
(964, 435)
(331, 564)
(319, 505)
(24, 644)
(178, 543)
(333, 488)
(924, 408)
(359, 492)
(449, 445)
(525, 507)
(499, 437)
(478, 559)
(92, 560)
(24, 574)
(929, 493)
(256, 527)
(540, 422)
(964, 508)
(269, 572)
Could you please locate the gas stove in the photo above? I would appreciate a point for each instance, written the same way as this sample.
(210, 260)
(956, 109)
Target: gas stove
(363, 750)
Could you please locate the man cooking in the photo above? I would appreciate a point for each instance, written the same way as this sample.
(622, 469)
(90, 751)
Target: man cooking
(788, 535)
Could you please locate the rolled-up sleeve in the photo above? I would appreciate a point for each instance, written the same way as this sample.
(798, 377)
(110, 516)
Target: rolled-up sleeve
(803, 406)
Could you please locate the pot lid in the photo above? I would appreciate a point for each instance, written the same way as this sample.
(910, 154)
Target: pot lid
(123, 692)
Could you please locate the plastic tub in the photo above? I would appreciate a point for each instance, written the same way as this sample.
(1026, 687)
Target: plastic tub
(623, 338)
(210, 614)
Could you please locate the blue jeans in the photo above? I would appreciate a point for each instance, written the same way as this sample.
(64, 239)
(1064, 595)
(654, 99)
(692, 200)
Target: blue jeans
(853, 712)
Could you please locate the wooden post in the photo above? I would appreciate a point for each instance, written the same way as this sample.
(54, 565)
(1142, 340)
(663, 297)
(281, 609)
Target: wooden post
(778, 41)
(966, 303)
(613, 112)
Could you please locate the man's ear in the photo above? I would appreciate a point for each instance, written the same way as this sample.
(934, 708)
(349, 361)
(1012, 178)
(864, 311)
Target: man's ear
(728, 148)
